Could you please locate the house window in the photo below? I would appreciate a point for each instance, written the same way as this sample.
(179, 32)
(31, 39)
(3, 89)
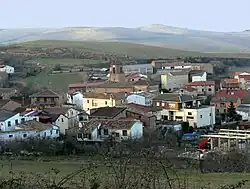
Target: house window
(189, 113)
(162, 104)
(71, 112)
(200, 116)
(22, 120)
(202, 90)
(51, 132)
(16, 121)
(62, 120)
(87, 101)
(45, 99)
(124, 133)
(117, 135)
(44, 134)
(79, 135)
(9, 123)
(57, 131)
(106, 102)
(105, 132)
(24, 135)
(209, 89)
(157, 103)
(210, 114)
(35, 119)
(10, 136)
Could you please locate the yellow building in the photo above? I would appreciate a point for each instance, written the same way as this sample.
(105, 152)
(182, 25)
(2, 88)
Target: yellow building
(93, 100)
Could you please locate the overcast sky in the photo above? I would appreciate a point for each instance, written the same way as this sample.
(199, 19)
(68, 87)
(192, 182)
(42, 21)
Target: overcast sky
(216, 15)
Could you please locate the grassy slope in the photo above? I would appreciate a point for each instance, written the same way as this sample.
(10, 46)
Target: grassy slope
(66, 167)
(130, 49)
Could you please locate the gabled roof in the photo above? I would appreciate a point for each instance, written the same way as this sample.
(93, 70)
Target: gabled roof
(107, 112)
(57, 110)
(10, 105)
(109, 124)
(4, 115)
(34, 126)
(232, 93)
(45, 93)
(174, 97)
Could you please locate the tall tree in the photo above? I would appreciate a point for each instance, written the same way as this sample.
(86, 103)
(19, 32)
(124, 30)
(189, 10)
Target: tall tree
(232, 114)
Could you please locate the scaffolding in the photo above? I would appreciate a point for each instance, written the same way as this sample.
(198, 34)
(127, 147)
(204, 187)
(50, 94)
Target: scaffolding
(227, 139)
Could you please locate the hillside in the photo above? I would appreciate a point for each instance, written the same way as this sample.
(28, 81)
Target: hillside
(129, 49)
(117, 48)
(156, 35)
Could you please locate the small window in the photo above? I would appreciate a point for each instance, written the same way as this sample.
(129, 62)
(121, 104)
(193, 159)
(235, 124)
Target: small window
(24, 135)
(10, 136)
(71, 112)
(62, 120)
(51, 132)
(117, 134)
(202, 90)
(162, 104)
(106, 102)
(44, 134)
(16, 121)
(57, 131)
(124, 133)
(209, 89)
(189, 113)
(87, 101)
(22, 120)
(9, 123)
(105, 132)
(157, 103)
(35, 119)
(79, 135)
(45, 99)
(210, 114)
(200, 116)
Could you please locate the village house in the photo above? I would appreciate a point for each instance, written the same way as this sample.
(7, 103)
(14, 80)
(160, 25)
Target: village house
(223, 103)
(170, 64)
(29, 130)
(83, 87)
(99, 130)
(244, 81)
(141, 98)
(9, 105)
(76, 99)
(93, 100)
(244, 111)
(229, 84)
(174, 80)
(197, 75)
(107, 113)
(147, 115)
(8, 120)
(64, 117)
(178, 107)
(7, 69)
(187, 91)
(203, 87)
(47, 98)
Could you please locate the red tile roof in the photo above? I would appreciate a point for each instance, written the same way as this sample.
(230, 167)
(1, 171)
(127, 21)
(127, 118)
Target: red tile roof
(245, 77)
(231, 81)
(201, 83)
(232, 93)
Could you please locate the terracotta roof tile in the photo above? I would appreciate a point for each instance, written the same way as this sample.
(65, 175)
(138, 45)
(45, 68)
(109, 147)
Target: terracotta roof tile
(201, 83)
(107, 112)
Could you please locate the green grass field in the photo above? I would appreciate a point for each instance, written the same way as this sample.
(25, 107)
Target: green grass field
(193, 179)
(56, 81)
(66, 61)
(130, 49)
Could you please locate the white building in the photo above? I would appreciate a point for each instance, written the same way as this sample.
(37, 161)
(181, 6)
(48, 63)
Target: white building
(202, 76)
(185, 108)
(7, 69)
(31, 129)
(77, 100)
(244, 111)
(141, 98)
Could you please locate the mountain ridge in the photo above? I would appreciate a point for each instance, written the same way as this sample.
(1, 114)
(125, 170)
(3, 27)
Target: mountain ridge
(154, 35)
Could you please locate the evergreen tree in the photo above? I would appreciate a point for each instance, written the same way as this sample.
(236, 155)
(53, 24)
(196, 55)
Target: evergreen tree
(232, 114)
